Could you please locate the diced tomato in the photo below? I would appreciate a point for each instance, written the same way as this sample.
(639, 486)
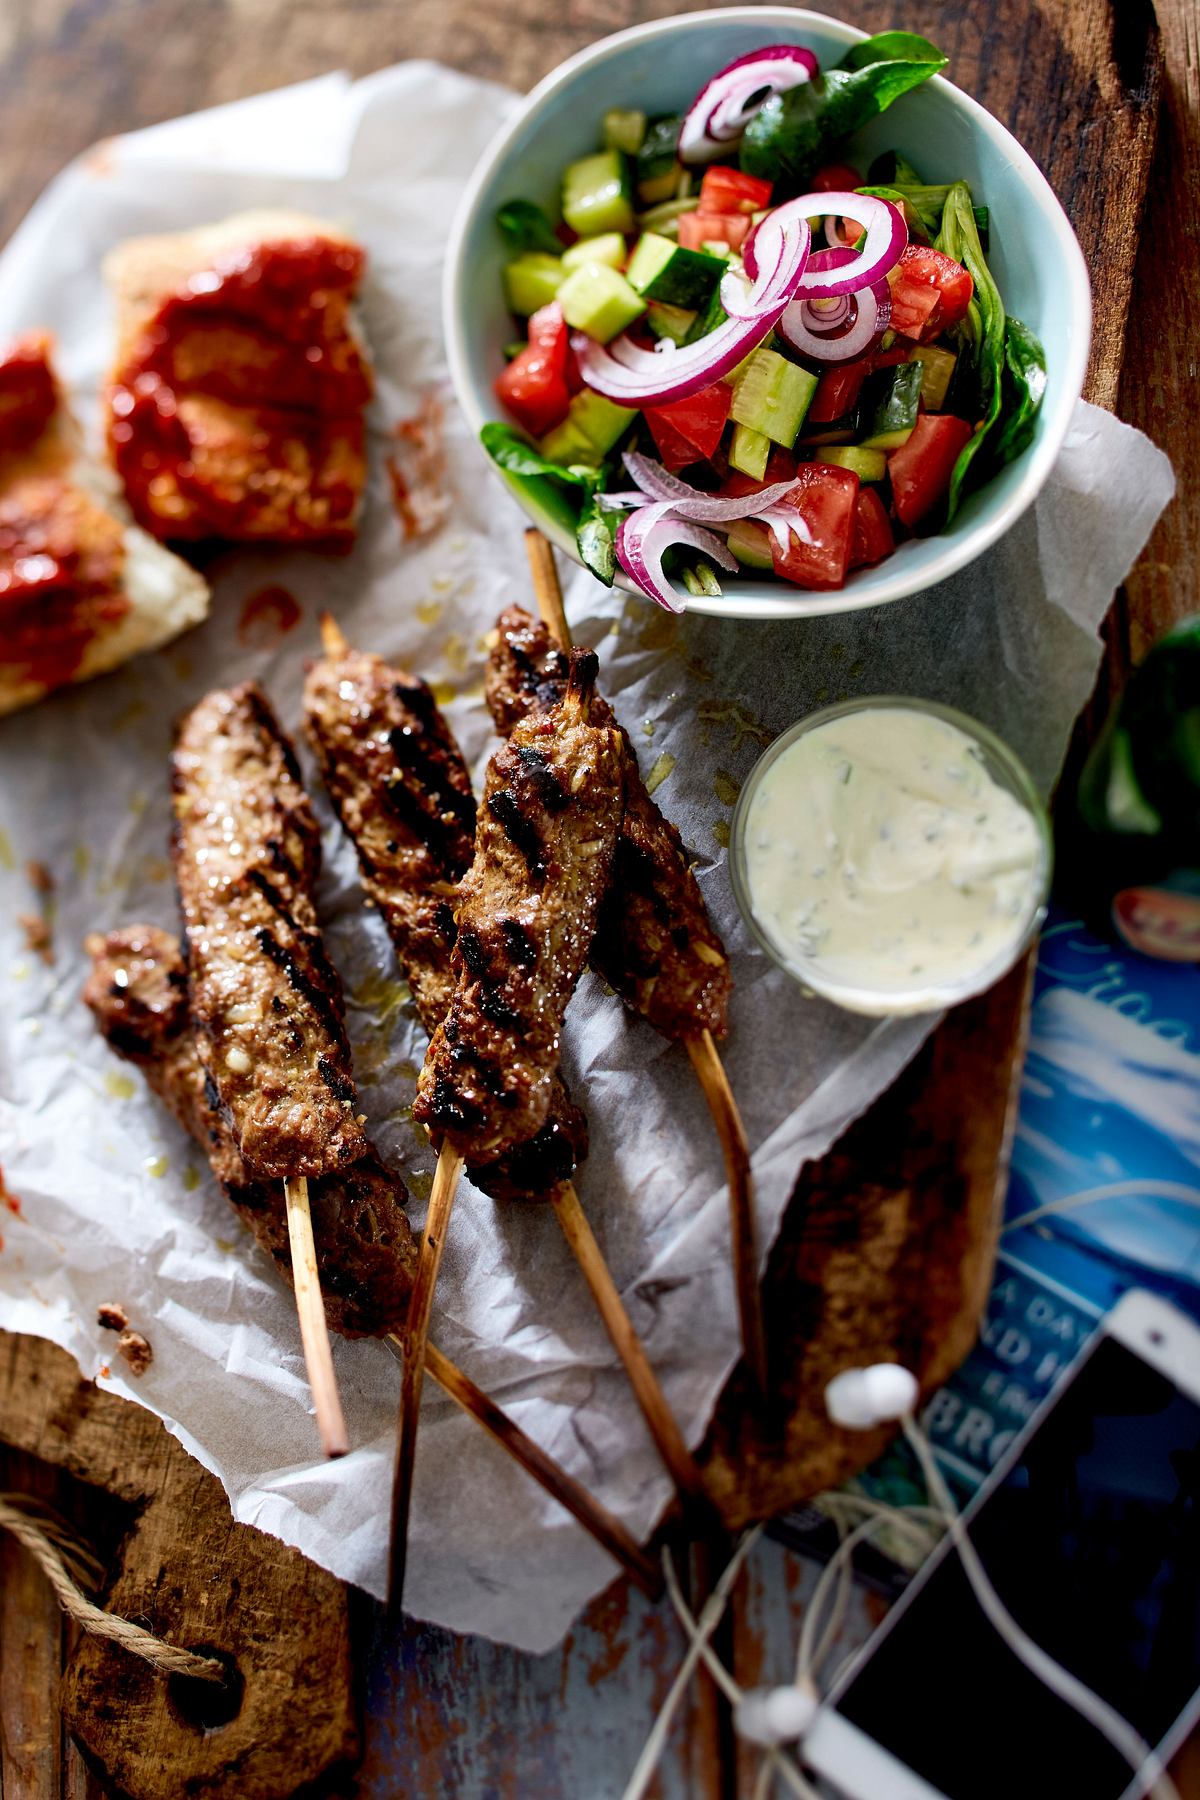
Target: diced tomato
(698, 421)
(825, 501)
(885, 359)
(872, 537)
(729, 191)
(675, 450)
(837, 391)
(699, 228)
(534, 385)
(930, 292)
(836, 178)
(921, 468)
(780, 467)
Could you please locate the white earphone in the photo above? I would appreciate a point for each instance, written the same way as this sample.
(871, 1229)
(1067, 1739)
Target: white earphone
(860, 1399)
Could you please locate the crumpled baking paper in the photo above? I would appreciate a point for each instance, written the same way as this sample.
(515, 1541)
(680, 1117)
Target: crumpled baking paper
(114, 1203)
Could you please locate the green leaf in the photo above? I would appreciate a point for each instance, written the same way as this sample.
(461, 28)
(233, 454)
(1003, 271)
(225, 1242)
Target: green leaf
(1024, 384)
(925, 203)
(795, 132)
(981, 334)
(524, 226)
(596, 536)
(893, 46)
(518, 456)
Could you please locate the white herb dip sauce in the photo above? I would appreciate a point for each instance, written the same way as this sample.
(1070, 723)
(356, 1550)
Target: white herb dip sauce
(881, 857)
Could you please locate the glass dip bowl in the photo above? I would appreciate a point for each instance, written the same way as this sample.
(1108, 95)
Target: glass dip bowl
(892, 854)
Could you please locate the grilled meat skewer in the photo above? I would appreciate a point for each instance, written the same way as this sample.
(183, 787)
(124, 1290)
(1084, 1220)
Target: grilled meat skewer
(402, 791)
(137, 992)
(265, 1002)
(655, 944)
(527, 913)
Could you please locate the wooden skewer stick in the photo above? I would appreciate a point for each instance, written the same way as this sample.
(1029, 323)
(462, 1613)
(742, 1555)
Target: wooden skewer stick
(710, 1072)
(571, 1494)
(667, 1436)
(333, 638)
(702, 1050)
(416, 1331)
(314, 1330)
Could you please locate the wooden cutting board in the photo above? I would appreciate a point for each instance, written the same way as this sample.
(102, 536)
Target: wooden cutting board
(888, 1243)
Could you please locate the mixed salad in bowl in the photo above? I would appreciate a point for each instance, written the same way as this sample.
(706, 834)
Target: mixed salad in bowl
(740, 352)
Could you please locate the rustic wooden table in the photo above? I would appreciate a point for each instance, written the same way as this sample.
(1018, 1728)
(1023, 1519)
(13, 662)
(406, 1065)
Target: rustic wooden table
(1077, 80)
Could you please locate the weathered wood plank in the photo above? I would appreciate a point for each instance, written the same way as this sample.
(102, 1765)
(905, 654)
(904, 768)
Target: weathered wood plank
(30, 1667)
(1076, 80)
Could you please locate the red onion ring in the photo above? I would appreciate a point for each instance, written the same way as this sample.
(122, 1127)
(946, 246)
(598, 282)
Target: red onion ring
(824, 335)
(725, 105)
(887, 234)
(644, 537)
(631, 376)
(692, 503)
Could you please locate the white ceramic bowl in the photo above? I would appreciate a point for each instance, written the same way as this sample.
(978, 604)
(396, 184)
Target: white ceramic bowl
(659, 68)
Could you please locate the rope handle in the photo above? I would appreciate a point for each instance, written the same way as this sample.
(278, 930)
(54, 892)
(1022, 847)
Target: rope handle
(66, 1563)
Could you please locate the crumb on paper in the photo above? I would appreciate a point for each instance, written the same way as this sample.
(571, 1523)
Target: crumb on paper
(8, 1199)
(416, 470)
(112, 1315)
(136, 1351)
(37, 925)
(37, 935)
(268, 615)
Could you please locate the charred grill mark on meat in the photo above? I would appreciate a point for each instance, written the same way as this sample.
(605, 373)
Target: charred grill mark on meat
(655, 944)
(410, 817)
(526, 670)
(264, 1000)
(357, 709)
(137, 992)
(488, 1078)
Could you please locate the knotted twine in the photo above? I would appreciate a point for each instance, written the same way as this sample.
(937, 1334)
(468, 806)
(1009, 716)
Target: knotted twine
(67, 1564)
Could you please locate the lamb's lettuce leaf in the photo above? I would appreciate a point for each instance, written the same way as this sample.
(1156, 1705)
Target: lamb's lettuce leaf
(795, 132)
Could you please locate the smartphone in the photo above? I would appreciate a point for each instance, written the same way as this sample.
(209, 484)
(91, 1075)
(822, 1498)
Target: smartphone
(1089, 1529)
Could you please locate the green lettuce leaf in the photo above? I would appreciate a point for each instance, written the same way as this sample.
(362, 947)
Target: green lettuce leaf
(1008, 361)
(795, 132)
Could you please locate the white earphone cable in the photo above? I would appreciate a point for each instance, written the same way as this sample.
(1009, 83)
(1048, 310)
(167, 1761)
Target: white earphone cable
(1141, 1758)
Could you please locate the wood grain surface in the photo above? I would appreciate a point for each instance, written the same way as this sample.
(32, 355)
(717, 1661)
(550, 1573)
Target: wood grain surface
(1078, 81)
(177, 1564)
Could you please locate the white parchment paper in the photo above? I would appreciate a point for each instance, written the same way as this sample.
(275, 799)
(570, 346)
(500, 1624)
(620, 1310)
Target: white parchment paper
(116, 1204)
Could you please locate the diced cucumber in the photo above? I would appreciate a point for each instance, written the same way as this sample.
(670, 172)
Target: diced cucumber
(608, 248)
(748, 451)
(598, 300)
(868, 465)
(589, 431)
(665, 218)
(938, 368)
(714, 314)
(750, 542)
(624, 131)
(772, 395)
(597, 196)
(888, 405)
(658, 169)
(531, 281)
(674, 322)
(660, 270)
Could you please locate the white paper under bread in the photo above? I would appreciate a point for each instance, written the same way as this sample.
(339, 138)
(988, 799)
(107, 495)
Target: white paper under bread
(112, 1204)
